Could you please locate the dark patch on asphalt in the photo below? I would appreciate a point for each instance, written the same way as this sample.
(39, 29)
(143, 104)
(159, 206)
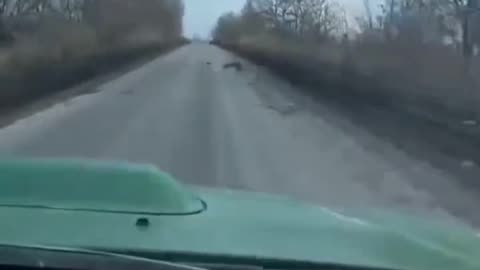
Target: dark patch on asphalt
(209, 63)
(235, 65)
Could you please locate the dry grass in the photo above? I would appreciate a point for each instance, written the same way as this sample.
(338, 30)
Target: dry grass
(433, 75)
(55, 58)
(428, 79)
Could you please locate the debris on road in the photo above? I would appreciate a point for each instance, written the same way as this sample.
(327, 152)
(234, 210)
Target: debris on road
(236, 65)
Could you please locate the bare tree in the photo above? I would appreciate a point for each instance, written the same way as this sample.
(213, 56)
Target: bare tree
(31, 6)
(4, 36)
(227, 28)
(4, 4)
(465, 10)
(368, 11)
(300, 17)
(72, 9)
(114, 19)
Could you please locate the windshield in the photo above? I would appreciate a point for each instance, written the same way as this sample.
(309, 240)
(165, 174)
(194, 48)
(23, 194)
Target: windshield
(366, 110)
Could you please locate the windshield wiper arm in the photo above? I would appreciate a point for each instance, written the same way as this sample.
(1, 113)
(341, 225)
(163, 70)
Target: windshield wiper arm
(71, 258)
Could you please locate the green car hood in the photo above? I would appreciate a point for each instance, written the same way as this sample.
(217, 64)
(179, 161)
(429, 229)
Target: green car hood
(247, 224)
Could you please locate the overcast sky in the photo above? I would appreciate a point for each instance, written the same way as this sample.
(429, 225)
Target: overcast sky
(201, 15)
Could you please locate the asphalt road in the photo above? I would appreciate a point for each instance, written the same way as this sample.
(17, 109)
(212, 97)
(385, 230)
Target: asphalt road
(248, 129)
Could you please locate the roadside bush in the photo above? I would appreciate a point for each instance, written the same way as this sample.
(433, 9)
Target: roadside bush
(399, 61)
(403, 71)
(427, 81)
(59, 51)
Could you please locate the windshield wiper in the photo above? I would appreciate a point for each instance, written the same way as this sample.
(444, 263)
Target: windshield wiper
(33, 256)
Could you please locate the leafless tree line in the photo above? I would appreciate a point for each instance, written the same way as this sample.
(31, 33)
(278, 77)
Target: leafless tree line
(455, 22)
(106, 16)
(417, 52)
(313, 19)
(54, 44)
